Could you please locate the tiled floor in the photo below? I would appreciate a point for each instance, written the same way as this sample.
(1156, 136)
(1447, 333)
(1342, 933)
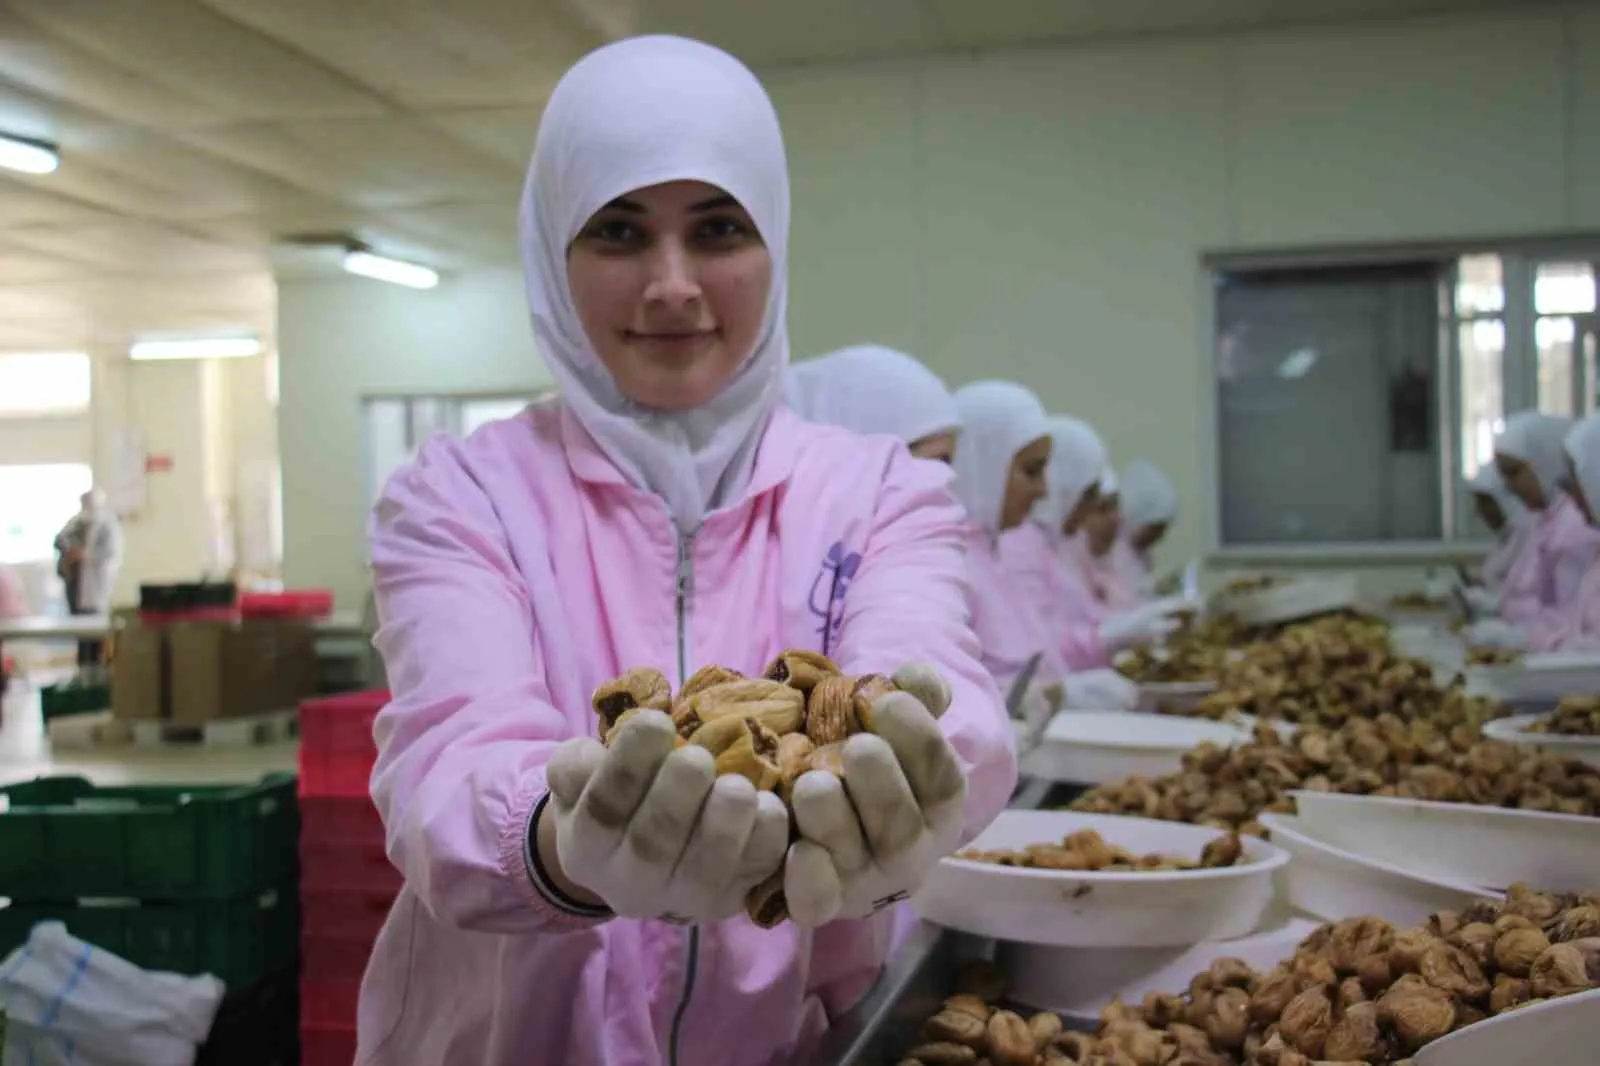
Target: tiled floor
(24, 754)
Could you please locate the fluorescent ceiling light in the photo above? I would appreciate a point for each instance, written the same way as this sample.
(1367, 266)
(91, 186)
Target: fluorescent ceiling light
(30, 157)
(396, 271)
(1297, 364)
(227, 347)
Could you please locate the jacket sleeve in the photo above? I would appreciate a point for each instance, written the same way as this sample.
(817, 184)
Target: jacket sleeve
(1033, 573)
(463, 744)
(908, 603)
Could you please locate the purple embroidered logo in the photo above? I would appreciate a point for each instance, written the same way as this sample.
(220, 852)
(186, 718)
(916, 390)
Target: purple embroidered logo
(838, 568)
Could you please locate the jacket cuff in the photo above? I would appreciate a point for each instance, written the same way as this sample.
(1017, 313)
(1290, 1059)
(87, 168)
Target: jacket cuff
(558, 912)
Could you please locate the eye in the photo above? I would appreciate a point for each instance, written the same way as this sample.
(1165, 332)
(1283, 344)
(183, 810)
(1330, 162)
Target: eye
(613, 232)
(725, 231)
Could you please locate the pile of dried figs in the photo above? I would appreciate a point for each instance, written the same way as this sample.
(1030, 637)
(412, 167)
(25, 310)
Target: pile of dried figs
(1088, 850)
(1573, 716)
(769, 729)
(1356, 993)
(1442, 757)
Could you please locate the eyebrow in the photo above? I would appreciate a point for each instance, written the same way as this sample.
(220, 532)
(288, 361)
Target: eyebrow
(622, 203)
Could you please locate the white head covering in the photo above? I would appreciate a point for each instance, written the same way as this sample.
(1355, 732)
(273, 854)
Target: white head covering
(1077, 459)
(998, 419)
(637, 113)
(1489, 483)
(1583, 445)
(1148, 498)
(1109, 485)
(871, 389)
(1538, 440)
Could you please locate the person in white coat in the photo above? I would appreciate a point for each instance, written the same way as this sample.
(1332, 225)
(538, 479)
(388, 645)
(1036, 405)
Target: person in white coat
(89, 548)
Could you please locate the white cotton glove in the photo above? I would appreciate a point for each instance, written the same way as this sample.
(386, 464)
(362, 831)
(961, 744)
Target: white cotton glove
(1481, 600)
(1496, 633)
(649, 827)
(869, 838)
(1440, 587)
(1100, 690)
(1140, 625)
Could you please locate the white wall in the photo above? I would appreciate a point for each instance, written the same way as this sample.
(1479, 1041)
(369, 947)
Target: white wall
(343, 340)
(1040, 214)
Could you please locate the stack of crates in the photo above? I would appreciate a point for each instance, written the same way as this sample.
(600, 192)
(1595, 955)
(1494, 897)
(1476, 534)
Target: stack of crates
(347, 883)
(184, 879)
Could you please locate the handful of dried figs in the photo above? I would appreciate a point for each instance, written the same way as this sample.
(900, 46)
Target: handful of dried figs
(1087, 850)
(768, 730)
(1574, 716)
(1355, 993)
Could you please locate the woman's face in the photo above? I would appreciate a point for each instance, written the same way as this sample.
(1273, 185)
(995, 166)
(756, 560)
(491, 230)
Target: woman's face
(1025, 482)
(670, 283)
(1087, 502)
(1148, 536)
(940, 447)
(1489, 512)
(1521, 480)
(1100, 528)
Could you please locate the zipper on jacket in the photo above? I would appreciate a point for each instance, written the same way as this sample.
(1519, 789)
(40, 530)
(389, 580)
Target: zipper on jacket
(685, 588)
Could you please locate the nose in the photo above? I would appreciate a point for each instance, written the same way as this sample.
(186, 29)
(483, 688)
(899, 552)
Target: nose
(673, 283)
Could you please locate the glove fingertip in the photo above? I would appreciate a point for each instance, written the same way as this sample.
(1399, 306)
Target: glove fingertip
(923, 681)
(571, 766)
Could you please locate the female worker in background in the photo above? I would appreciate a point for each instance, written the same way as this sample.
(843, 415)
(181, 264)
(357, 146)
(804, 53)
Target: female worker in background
(1149, 504)
(1506, 516)
(1543, 577)
(872, 389)
(1106, 568)
(1039, 571)
(577, 904)
(1577, 628)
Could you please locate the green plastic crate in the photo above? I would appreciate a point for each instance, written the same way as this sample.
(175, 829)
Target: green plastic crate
(242, 941)
(65, 700)
(63, 839)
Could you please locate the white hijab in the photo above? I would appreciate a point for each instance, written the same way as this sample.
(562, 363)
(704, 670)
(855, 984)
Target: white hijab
(1538, 440)
(1488, 482)
(637, 113)
(1583, 445)
(1148, 497)
(1077, 459)
(998, 419)
(871, 389)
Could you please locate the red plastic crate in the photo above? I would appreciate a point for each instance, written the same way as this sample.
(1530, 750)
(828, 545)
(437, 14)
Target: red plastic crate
(329, 1004)
(352, 865)
(325, 957)
(337, 751)
(291, 603)
(327, 1045)
(331, 819)
(357, 915)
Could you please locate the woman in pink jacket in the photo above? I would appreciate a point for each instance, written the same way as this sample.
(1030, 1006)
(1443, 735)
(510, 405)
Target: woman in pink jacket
(1506, 516)
(1578, 627)
(568, 904)
(1542, 580)
(1040, 569)
(872, 389)
(1102, 556)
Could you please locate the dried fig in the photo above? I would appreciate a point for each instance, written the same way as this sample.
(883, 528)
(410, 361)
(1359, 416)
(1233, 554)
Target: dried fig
(1405, 955)
(1477, 940)
(1418, 1014)
(1577, 923)
(1230, 1019)
(1558, 971)
(1514, 952)
(1162, 1010)
(1589, 950)
(1314, 970)
(830, 711)
(1375, 974)
(1538, 907)
(1356, 939)
(800, 669)
(1357, 1037)
(1451, 969)
(1272, 995)
(969, 1005)
(754, 756)
(1231, 973)
(639, 688)
(1508, 992)
(1222, 851)
(1351, 992)
(794, 751)
(955, 1027)
(868, 689)
(944, 1055)
(704, 678)
(829, 758)
(1010, 1042)
(1307, 1020)
(1044, 1026)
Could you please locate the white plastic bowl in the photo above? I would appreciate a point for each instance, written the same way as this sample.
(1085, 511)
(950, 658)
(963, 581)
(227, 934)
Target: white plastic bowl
(1155, 909)
(1563, 745)
(1079, 982)
(1095, 747)
(1561, 1032)
(1299, 598)
(1334, 884)
(1460, 842)
(1545, 678)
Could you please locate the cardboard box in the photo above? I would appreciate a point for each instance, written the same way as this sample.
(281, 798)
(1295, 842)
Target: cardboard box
(237, 669)
(139, 671)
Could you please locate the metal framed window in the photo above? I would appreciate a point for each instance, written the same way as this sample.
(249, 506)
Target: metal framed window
(396, 426)
(1331, 399)
(34, 384)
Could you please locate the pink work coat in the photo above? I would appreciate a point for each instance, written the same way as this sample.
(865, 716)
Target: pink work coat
(516, 571)
(1542, 580)
(1038, 573)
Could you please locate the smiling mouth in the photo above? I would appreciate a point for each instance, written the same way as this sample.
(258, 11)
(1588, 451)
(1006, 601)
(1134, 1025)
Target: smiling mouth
(671, 337)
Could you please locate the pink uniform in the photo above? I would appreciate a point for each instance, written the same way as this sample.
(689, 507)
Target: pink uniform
(1543, 579)
(515, 572)
(1577, 626)
(1039, 574)
(1110, 582)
